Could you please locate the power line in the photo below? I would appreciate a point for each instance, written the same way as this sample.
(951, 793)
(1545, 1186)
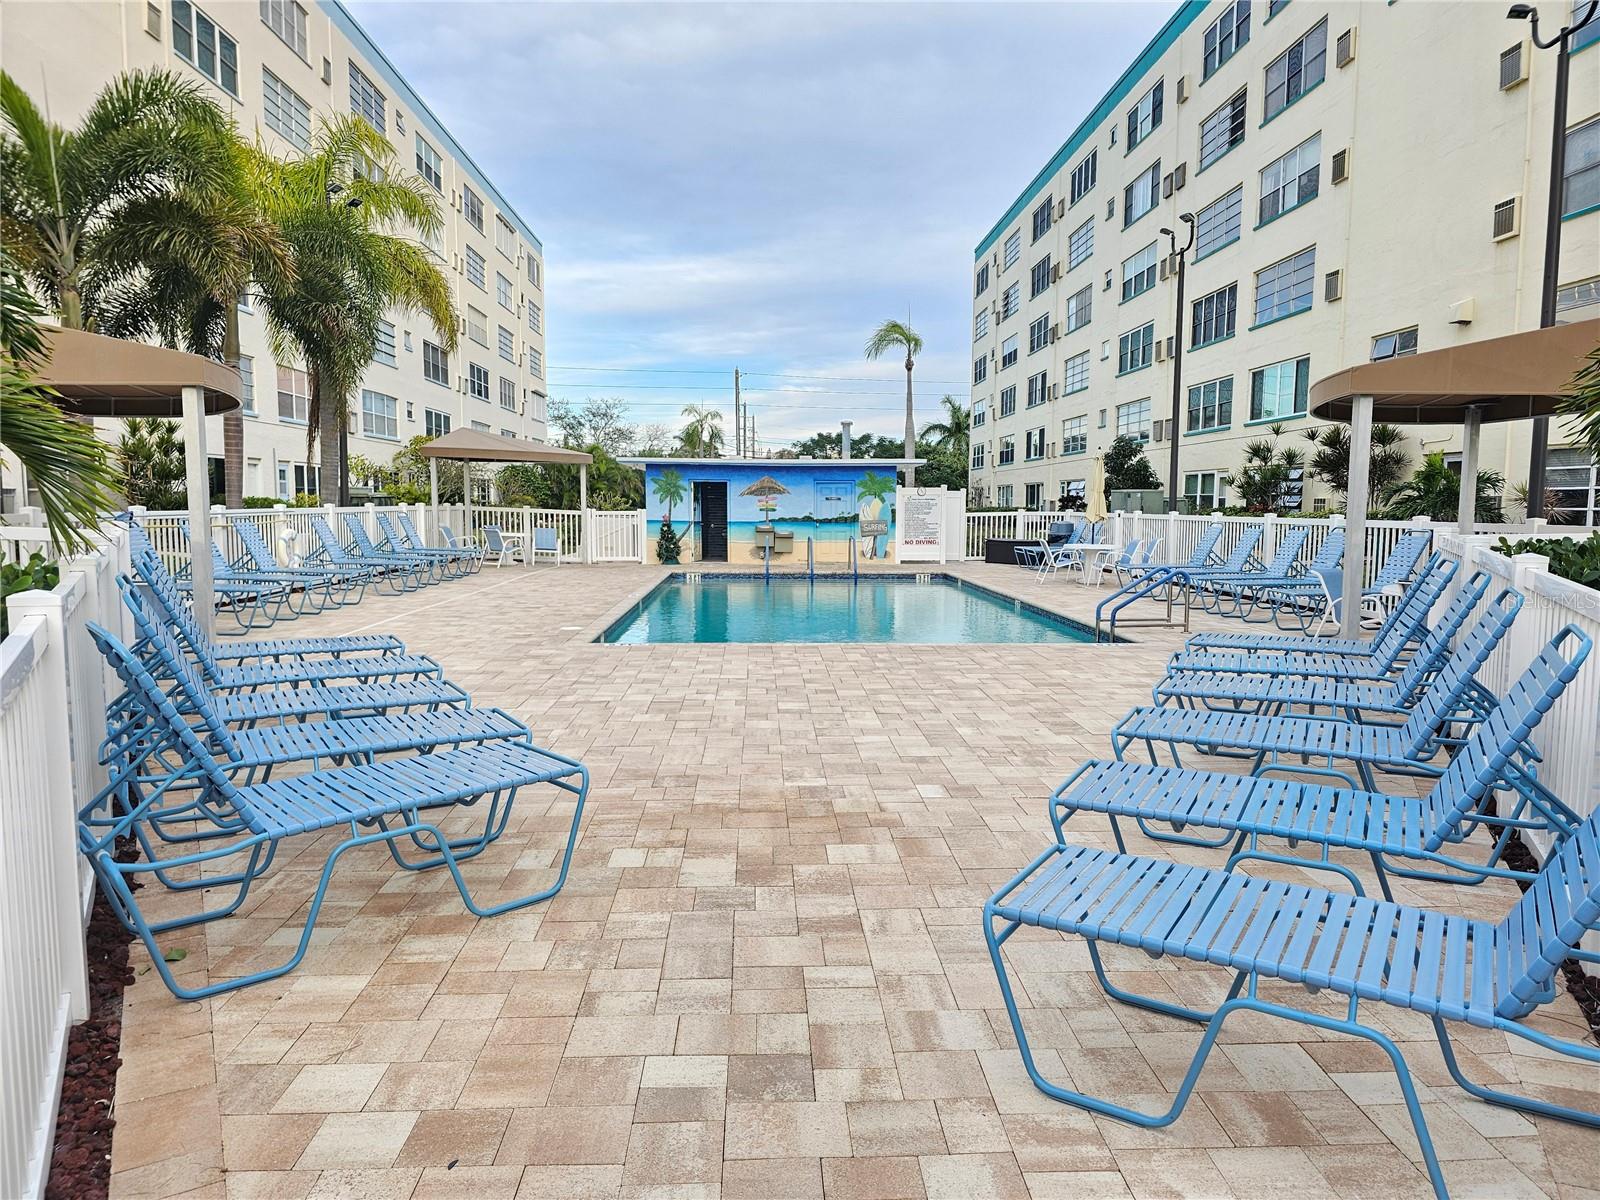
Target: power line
(703, 389)
(749, 374)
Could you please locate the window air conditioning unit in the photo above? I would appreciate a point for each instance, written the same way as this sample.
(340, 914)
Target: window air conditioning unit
(1061, 208)
(1333, 286)
(1055, 272)
(1055, 332)
(1463, 311)
(327, 70)
(1107, 287)
(1105, 353)
(1111, 207)
(152, 21)
(1513, 66)
(1166, 266)
(1507, 219)
(1166, 184)
(1341, 166)
(1113, 135)
(1344, 50)
(1183, 88)
(1161, 350)
(1180, 176)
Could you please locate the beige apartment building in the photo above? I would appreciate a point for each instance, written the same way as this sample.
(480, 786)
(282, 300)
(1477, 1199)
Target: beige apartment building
(1366, 180)
(279, 66)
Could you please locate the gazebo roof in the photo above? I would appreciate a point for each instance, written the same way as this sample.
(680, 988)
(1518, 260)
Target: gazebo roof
(474, 445)
(98, 376)
(1504, 378)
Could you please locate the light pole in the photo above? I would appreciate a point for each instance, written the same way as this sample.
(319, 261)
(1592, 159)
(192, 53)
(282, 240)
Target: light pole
(1177, 361)
(1562, 41)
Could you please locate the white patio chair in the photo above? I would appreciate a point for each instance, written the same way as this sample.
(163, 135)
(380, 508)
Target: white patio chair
(502, 546)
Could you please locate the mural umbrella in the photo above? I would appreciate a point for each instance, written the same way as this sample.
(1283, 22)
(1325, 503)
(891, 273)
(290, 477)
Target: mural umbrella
(765, 489)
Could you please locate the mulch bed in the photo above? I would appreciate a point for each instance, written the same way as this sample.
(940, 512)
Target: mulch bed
(80, 1166)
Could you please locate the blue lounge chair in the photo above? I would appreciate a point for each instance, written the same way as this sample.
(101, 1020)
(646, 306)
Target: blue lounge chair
(1447, 968)
(450, 539)
(1166, 802)
(301, 593)
(1314, 600)
(381, 574)
(471, 557)
(386, 799)
(1286, 743)
(259, 557)
(448, 563)
(419, 570)
(1237, 561)
(1225, 594)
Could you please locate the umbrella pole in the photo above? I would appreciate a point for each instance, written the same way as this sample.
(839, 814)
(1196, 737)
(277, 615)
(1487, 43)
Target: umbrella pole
(199, 488)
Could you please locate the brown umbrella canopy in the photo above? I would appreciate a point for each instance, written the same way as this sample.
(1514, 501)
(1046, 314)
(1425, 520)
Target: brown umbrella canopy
(765, 486)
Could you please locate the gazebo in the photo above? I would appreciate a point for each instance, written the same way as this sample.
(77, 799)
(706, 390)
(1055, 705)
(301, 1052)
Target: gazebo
(474, 445)
(1506, 378)
(99, 376)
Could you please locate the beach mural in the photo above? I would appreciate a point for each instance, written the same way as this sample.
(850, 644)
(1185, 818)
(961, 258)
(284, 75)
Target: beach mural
(774, 506)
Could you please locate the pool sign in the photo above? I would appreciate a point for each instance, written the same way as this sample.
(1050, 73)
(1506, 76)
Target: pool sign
(921, 524)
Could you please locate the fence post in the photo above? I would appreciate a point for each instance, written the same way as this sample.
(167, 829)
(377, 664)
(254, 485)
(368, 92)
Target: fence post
(1525, 638)
(644, 530)
(369, 517)
(1537, 526)
(1268, 546)
(586, 525)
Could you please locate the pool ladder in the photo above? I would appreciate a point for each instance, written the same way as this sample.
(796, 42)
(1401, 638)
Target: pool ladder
(811, 561)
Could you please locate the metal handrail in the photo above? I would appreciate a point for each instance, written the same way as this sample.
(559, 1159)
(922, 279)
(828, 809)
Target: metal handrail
(811, 558)
(1173, 580)
(854, 571)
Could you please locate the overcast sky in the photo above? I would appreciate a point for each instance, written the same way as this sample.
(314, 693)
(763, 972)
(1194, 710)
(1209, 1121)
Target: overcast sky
(758, 185)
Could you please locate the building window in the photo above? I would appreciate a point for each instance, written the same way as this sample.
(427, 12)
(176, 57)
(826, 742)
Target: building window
(477, 326)
(1217, 224)
(284, 111)
(1214, 317)
(507, 342)
(435, 364)
(380, 415)
(980, 368)
(535, 363)
(1135, 348)
(1038, 389)
(535, 317)
(1008, 352)
(1394, 345)
(1039, 334)
(1080, 244)
(1080, 307)
(508, 394)
(534, 270)
(1040, 277)
(1580, 174)
(477, 381)
(1279, 391)
(503, 293)
(294, 395)
(1572, 475)
(1008, 401)
(1042, 216)
(205, 46)
(1292, 180)
(1013, 250)
(1582, 294)
(980, 284)
(1083, 177)
(247, 384)
(980, 324)
(1002, 495)
(1210, 405)
(1133, 420)
(1204, 491)
(1139, 272)
(1010, 301)
(1285, 287)
(1297, 70)
(472, 207)
(1145, 116)
(1008, 451)
(383, 344)
(475, 270)
(1140, 196)
(429, 165)
(288, 20)
(1226, 35)
(297, 479)
(435, 423)
(481, 427)
(1590, 33)
(1075, 435)
(980, 413)
(977, 456)
(1222, 130)
(1033, 444)
(1075, 374)
(366, 100)
(505, 237)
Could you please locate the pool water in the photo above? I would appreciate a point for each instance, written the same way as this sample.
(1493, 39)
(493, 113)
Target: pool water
(928, 610)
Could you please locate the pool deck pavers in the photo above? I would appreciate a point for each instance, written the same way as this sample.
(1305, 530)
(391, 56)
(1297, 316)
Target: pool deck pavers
(766, 976)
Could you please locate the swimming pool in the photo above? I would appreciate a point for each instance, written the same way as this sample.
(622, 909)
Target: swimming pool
(929, 609)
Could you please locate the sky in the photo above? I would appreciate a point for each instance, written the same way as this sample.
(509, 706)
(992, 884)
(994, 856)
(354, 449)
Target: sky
(759, 185)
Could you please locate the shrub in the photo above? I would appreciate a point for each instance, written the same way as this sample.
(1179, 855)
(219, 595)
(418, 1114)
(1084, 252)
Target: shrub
(1569, 558)
(260, 502)
(35, 573)
(668, 544)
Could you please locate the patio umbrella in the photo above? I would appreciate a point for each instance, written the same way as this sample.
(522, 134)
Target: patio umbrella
(764, 487)
(1095, 503)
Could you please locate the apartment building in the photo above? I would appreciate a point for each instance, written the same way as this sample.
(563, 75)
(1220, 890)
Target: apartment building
(279, 66)
(1365, 180)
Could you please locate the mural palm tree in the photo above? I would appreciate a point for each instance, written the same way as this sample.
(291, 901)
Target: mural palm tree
(670, 490)
(874, 490)
(897, 335)
(704, 430)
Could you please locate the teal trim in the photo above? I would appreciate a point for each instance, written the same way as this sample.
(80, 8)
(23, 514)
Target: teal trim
(1283, 212)
(1133, 370)
(1213, 342)
(420, 112)
(1277, 420)
(1274, 320)
(1188, 12)
(1582, 212)
(1270, 14)
(1202, 170)
(1212, 429)
(1217, 249)
(1265, 121)
(1135, 296)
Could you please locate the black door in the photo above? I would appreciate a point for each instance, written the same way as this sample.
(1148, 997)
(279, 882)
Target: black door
(712, 501)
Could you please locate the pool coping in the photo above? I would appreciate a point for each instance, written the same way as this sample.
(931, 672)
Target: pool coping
(596, 633)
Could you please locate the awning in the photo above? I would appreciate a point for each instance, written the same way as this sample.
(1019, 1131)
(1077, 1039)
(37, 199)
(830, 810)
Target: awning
(1505, 378)
(474, 445)
(99, 376)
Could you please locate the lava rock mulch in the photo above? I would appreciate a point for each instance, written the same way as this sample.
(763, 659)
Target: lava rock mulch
(80, 1164)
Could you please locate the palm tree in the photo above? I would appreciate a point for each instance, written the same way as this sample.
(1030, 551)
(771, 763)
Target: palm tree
(1435, 492)
(1582, 403)
(333, 206)
(896, 335)
(1330, 458)
(79, 206)
(704, 430)
(953, 434)
(670, 490)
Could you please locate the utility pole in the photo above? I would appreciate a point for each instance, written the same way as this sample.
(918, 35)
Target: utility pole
(738, 419)
(1177, 363)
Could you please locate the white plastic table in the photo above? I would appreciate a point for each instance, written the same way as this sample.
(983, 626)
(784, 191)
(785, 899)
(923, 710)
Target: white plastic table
(1091, 549)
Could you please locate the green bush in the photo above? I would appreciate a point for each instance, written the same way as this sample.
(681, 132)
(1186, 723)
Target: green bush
(25, 577)
(1569, 558)
(668, 546)
(260, 502)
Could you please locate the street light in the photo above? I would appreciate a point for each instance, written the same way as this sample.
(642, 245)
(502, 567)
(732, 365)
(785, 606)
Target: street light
(1177, 360)
(1562, 41)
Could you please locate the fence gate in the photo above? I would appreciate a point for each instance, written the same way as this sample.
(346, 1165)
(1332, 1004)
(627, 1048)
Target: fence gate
(615, 536)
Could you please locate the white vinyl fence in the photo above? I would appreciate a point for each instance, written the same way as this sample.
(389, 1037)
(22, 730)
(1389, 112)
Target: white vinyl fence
(54, 685)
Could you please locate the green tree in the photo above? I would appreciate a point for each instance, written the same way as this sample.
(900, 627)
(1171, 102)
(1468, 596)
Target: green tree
(1330, 458)
(408, 469)
(598, 420)
(702, 434)
(150, 454)
(1582, 403)
(1266, 472)
(670, 490)
(1435, 492)
(1126, 466)
(953, 432)
(897, 336)
(830, 444)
